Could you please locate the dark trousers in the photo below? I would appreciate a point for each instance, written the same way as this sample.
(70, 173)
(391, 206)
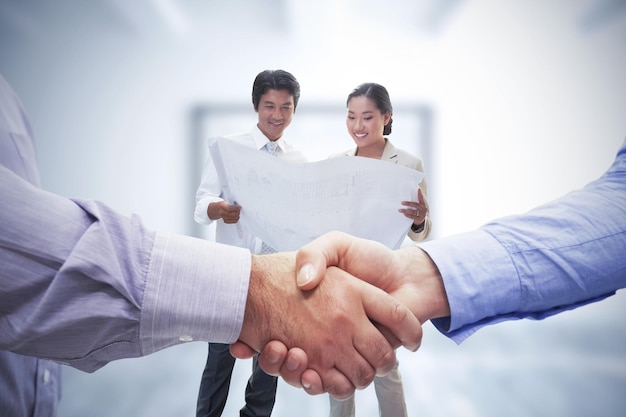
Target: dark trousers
(260, 391)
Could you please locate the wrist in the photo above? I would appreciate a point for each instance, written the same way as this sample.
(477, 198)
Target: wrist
(431, 300)
(214, 209)
(418, 228)
(253, 316)
(271, 293)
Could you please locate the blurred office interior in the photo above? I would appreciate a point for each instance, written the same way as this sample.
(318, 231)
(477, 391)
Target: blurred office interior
(510, 104)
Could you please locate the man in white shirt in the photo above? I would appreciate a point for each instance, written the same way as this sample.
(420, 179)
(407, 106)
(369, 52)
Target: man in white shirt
(275, 96)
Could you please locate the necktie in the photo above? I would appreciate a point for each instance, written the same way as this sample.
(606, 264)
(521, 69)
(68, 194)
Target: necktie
(272, 149)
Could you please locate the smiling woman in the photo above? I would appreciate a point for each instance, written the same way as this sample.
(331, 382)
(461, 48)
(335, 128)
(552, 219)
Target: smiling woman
(369, 122)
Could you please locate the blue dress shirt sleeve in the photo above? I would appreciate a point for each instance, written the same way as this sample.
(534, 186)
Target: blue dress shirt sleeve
(556, 257)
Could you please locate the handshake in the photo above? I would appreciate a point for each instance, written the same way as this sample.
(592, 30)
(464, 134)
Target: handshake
(330, 319)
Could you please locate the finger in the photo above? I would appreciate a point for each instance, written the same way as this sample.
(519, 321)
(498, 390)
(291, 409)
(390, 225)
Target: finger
(421, 197)
(391, 338)
(349, 253)
(375, 354)
(313, 259)
(294, 366)
(272, 357)
(337, 384)
(377, 351)
(240, 350)
(409, 213)
(387, 311)
(232, 212)
(312, 382)
(291, 365)
(360, 372)
(369, 341)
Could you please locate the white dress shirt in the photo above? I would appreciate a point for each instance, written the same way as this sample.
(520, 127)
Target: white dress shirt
(210, 190)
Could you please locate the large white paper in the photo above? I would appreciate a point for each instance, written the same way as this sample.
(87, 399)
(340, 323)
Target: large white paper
(288, 204)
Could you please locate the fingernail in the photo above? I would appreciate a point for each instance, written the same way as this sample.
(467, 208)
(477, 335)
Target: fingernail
(306, 385)
(305, 274)
(291, 364)
(272, 357)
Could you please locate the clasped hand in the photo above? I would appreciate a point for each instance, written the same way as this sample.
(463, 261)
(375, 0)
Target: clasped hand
(339, 331)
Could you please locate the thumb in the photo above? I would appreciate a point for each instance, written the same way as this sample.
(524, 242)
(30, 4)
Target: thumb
(240, 350)
(309, 276)
(385, 310)
(313, 259)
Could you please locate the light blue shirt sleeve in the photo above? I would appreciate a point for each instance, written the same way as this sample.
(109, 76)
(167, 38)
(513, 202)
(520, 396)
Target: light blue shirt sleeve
(84, 285)
(558, 256)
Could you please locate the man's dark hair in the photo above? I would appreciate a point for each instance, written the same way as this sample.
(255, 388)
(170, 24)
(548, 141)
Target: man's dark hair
(275, 80)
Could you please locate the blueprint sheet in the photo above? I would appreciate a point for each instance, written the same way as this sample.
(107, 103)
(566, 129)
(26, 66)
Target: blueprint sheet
(288, 204)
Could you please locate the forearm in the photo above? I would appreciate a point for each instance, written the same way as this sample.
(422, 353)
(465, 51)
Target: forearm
(84, 285)
(556, 257)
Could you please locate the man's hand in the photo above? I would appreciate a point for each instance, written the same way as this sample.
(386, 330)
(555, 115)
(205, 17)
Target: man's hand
(408, 274)
(222, 210)
(331, 327)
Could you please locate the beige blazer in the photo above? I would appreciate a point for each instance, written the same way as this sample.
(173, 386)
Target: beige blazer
(400, 157)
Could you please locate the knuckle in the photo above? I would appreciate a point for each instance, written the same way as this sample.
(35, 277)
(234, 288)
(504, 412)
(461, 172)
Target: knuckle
(340, 391)
(388, 360)
(364, 375)
(383, 360)
(400, 314)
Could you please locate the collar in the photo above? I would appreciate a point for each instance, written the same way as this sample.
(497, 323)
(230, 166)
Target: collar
(260, 139)
(389, 152)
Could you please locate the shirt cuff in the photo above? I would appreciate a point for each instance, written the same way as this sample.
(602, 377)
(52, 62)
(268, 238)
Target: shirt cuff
(195, 290)
(200, 213)
(480, 280)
